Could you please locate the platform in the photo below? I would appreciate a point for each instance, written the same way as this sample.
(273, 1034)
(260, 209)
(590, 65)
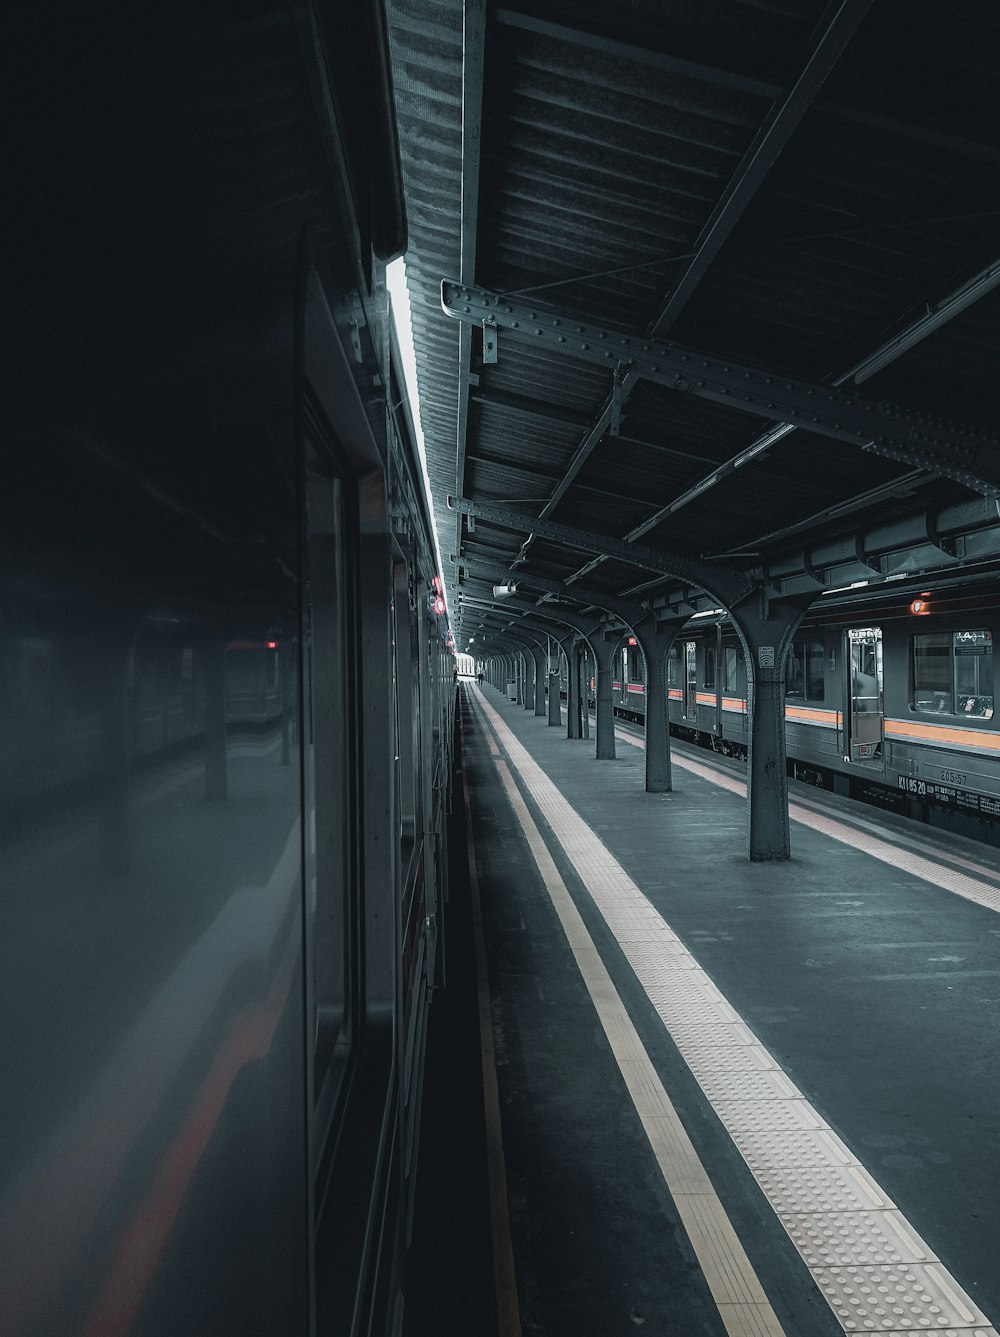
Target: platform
(734, 1097)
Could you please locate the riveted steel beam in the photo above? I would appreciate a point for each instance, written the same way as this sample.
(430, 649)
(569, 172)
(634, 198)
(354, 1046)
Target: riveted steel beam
(630, 611)
(968, 454)
(762, 154)
(729, 587)
(562, 617)
(473, 44)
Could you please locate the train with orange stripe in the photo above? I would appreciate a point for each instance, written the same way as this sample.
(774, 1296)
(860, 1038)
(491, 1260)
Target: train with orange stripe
(889, 697)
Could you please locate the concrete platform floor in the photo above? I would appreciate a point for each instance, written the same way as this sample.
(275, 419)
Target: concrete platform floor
(870, 997)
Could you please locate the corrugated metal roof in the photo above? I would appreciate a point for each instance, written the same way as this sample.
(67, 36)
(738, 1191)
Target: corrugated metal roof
(700, 172)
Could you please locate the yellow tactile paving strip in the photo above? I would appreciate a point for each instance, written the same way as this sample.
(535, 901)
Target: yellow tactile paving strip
(875, 1271)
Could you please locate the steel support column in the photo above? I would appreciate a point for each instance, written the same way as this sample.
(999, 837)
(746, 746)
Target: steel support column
(766, 628)
(555, 710)
(540, 673)
(574, 725)
(584, 630)
(583, 679)
(531, 652)
(655, 643)
(604, 650)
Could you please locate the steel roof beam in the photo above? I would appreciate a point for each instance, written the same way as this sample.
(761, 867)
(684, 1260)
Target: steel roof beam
(473, 45)
(692, 453)
(627, 610)
(969, 455)
(729, 587)
(933, 318)
(903, 486)
(586, 569)
(738, 83)
(608, 46)
(530, 408)
(747, 179)
(514, 474)
(761, 156)
(944, 310)
(669, 604)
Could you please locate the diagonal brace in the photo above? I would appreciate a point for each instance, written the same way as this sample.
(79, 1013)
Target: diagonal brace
(968, 454)
(728, 587)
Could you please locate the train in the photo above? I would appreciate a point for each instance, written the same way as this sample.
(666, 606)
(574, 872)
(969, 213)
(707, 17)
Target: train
(889, 696)
(227, 685)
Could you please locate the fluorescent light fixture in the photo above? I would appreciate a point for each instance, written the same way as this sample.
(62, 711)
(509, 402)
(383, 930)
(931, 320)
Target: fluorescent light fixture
(395, 282)
(854, 585)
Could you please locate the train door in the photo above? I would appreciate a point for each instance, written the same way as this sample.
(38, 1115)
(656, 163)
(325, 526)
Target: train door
(865, 710)
(690, 680)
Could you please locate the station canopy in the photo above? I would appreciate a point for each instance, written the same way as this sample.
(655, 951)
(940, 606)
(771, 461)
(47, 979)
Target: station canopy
(704, 295)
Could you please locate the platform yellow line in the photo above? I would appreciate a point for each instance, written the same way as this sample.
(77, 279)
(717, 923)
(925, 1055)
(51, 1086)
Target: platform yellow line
(735, 1287)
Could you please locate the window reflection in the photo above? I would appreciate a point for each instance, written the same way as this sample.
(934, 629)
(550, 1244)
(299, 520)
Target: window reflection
(953, 673)
(804, 677)
(327, 774)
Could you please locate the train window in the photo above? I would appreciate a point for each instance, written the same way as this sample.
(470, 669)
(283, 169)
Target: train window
(804, 671)
(674, 667)
(633, 662)
(407, 676)
(953, 673)
(326, 775)
(973, 659)
(709, 665)
(730, 662)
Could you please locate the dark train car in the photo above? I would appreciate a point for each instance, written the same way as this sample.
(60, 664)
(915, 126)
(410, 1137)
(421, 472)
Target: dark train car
(225, 695)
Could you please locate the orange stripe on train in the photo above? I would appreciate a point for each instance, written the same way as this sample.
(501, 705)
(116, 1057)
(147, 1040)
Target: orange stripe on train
(813, 715)
(944, 735)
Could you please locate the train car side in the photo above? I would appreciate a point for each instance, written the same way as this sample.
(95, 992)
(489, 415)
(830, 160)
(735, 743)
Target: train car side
(225, 695)
(882, 702)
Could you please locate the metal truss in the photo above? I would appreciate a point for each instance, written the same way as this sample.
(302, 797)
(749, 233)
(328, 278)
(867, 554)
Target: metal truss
(629, 611)
(727, 586)
(967, 454)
